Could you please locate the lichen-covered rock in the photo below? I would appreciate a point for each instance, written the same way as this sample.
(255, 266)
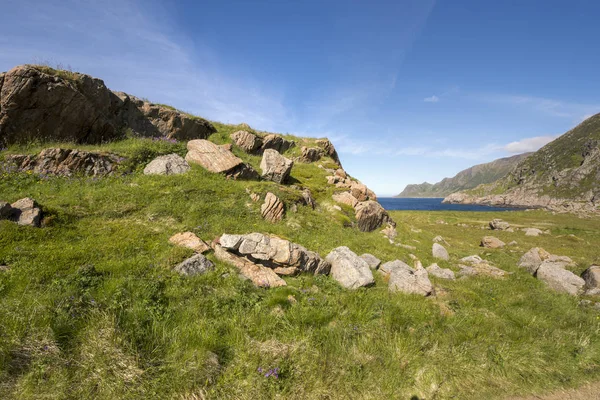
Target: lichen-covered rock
(370, 215)
(348, 269)
(247, 141)
(491, 242)
(66, 162)
(170, 164)
(272, 209)
(438, 251)
(195, 265)
(275, 167)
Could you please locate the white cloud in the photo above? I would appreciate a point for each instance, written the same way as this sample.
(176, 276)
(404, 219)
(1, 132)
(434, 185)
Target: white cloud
(528, 144)
(432, 99)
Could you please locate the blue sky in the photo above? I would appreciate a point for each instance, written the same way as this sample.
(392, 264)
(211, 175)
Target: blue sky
(408, 91)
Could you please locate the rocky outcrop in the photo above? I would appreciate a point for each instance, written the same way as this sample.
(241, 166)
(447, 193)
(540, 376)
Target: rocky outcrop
(39, 103)
(272, 209)
(195, 265)
(247, 141)
(326, 145)
(276, 142)
(403, 278)
(348, 269)
(170, 164)
(280, 255)
(189, 240)
(275, 167)
(66, 162)
(216, 159)
(24, 212)
(439, 251)
(259, 275)
(345, 198)
(491, 242)
(370, 215)
(310, 154)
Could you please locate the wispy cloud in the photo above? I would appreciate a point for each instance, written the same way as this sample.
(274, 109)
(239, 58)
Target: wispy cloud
(528, 144)
(432, 99)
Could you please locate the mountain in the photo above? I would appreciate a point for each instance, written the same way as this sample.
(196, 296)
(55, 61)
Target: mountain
(563, 175)
(466, 179)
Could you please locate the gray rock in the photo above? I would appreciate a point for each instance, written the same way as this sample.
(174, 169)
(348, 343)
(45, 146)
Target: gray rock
(170, 164)
(247, 141)
(591, 276)
(479, 266)
(348, 269)
(438, 251)
(560, 279)
(443, 273)
(500, 225)
(373, 261)
(275, 167)
(532, 232)
(439, 239)
(491, 242)
(403, 278)
(272, 209)
(310, 154)
(370, 215)
(230, 242)
(277, 143)
(532, 260)
(27, 212)
(308, 198)
(195, 265)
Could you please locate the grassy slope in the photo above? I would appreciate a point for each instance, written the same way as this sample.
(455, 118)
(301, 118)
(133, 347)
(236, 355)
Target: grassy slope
(130, 328)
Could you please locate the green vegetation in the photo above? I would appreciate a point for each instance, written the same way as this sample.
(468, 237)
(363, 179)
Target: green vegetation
(91, 309)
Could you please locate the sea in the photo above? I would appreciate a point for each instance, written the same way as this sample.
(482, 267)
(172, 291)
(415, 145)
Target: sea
(432, 204)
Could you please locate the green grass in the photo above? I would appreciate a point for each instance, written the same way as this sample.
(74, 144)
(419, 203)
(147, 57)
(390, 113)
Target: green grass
(91, 309)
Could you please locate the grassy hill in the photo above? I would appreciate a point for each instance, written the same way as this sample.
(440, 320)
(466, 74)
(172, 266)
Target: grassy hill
(465, 179)
(90, 308)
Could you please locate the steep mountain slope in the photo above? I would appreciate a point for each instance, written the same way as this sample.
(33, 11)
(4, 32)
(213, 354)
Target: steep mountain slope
(563, 175)
(466, 179)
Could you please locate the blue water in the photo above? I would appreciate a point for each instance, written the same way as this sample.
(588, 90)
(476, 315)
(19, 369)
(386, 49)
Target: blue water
(392, 203)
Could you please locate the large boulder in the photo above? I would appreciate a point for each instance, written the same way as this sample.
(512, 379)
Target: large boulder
(276, 142)
(217, 159)
(403, 278)
(66, 162)
(247, 141)
(591, 276)
(25, 212)
(532, 260)
(275, 167)
(492, 242)
(438, 251)
(272, 209)
(560, 279)
(170, 164)
(348, 269)
(326, 145)
(195, 265)
(370, 215)
(499, 225)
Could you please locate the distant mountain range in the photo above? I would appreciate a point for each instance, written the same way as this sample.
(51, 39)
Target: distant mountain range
(466, 179)
(563, 175)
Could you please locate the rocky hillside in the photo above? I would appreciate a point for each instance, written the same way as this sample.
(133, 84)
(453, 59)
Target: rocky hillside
(564, 175)
(466, 179)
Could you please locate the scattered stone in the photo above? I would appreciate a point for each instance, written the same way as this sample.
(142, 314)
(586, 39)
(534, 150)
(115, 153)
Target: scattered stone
(439, 239)
(403, 278)
(443, 273)
(373, 261)
(370, 215)
(345, 198)
(308, 199)
(532, 260)
(326, 145)
(259, 275)
(247, 141)
(532, 232)
(499, 225)
(478, 266)
(66, 162)
(231, 242)
(275, 167)
(278, 143)
(348, 269)
(272, 209)
(390, 232)
(171, 164)
(492, 242)
(560, 279)
(310, 154)
(591, 276)
(189, 240)
(255, 197)
(25, 212)
(218, 160)
(513, 243)
(438, 251)
(195, 265)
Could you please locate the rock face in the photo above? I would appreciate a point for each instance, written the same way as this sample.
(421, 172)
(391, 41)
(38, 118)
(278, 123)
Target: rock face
(283, 256)
(66, 162)
(189, 240)
(492, 242)
(272, 209)
(247, 141)
(370, 215)
(560, 279)
(45, 104)
(499, 225)
(591, 276)
(443, 273)
(345, 198)
(438, 251)
(310, 154)
(326, 145)
(348, 269)
(195, 265)
(277, 143)
(171, 164)
(403, 278)
(23, 212)
(275, 167)
(373, 261)
(218, 160)
(260, 276)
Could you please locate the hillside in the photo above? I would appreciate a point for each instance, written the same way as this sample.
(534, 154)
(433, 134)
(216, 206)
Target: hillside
(184, 260)
(466, 179)
(563, 175)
